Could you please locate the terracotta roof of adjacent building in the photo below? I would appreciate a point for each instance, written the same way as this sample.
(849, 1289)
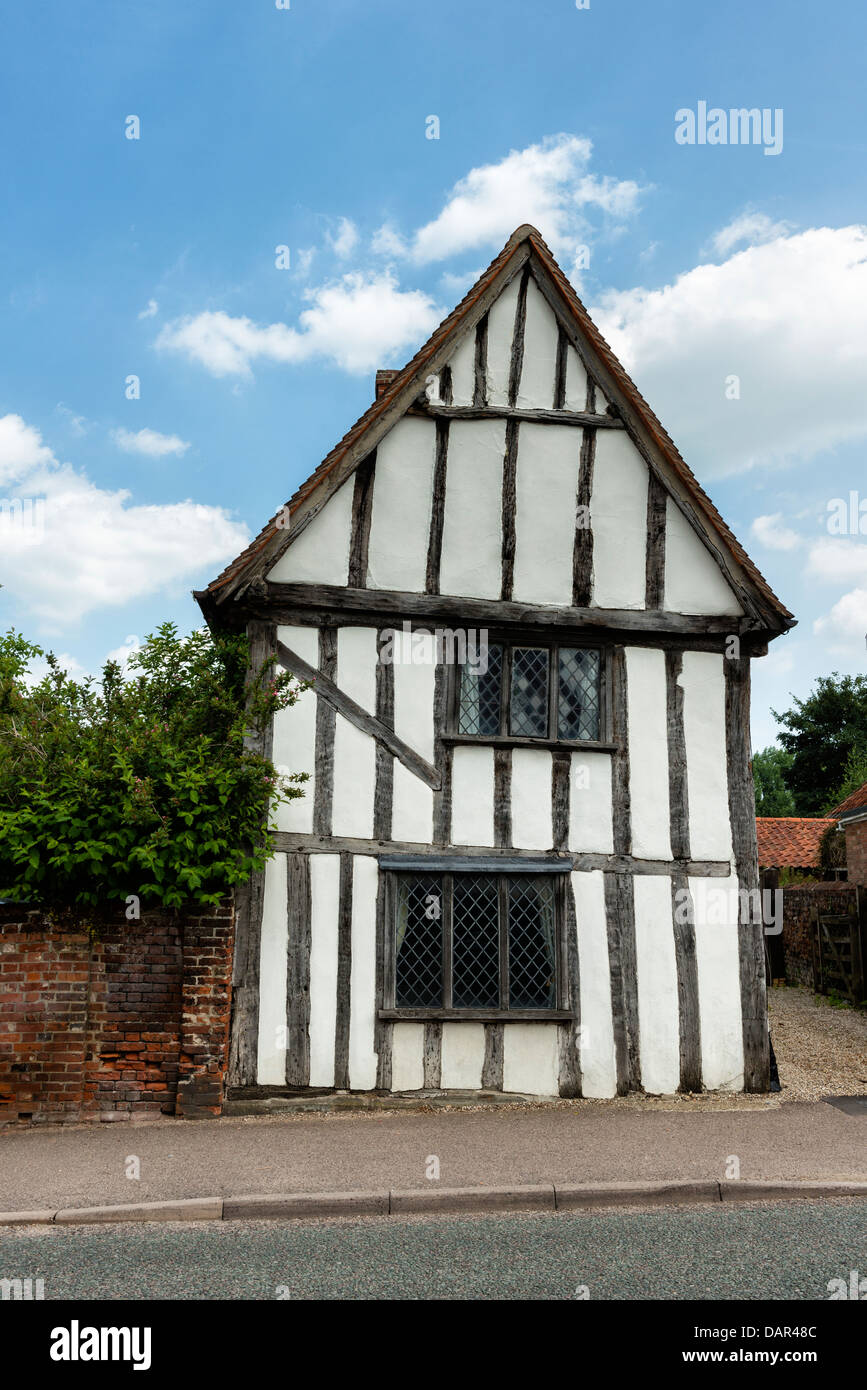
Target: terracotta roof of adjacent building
(856, 801)
(790, 842)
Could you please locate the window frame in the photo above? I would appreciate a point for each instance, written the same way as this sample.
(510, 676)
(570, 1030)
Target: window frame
(505, 738)
(562, 1010)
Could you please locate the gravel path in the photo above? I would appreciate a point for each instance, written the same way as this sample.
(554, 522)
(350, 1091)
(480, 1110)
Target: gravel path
(821, 1050)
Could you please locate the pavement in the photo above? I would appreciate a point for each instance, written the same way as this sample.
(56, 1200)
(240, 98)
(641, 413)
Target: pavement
(378, 1156)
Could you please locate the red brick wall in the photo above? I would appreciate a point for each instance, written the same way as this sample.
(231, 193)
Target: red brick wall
(132, 1022)
(798, 907)
(856, 852)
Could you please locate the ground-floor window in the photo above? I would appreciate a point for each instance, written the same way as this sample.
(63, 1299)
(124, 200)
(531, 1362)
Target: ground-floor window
(476, 941)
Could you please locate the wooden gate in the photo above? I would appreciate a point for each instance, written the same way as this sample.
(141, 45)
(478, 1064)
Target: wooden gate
(839, 950)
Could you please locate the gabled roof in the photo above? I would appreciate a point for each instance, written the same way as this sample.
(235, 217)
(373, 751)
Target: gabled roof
(790, 841)
(856, 801)
(526, 243)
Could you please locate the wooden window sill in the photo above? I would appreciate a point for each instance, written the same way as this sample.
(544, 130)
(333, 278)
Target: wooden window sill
(476, 1015)
(518, 741)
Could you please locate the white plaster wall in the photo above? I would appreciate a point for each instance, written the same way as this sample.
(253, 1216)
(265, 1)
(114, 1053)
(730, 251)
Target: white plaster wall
(618, 516)
(601, 401)
(658, 1027)
(356, 665)
(354, 781)
(362, 999)
(576, 381)
(501, 327)
(539, 367)
(271, 1070)
(531, 799)
(407, 1056)
(591, 825)
(715, 903)
(463, 365)
(294, 743)
(324, 911)
(473, 796)
(693, 580)
(463, 1056)
(400, 515)
(414, 699)
(531, 1059)
(648, 752)
(471, 563)
(703, 681)
(320, 554)
(598, 1065)
(411, 807)
(546, 491)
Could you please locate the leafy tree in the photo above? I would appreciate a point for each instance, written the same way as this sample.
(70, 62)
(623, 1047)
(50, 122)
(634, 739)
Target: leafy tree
(820, 733)
(147, 786)
(854, 777)
(773, 797)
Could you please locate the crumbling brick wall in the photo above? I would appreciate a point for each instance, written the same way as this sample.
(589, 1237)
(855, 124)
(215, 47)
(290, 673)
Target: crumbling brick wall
(129, 1019)
(799, 903)
(856, 852)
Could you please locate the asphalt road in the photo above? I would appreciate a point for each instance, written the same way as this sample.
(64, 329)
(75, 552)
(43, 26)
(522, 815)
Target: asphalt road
(772, 1251)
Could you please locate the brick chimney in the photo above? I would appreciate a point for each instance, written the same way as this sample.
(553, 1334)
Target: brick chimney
(384, 377)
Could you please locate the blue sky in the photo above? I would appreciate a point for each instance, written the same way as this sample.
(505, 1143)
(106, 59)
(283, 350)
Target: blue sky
(306, 128)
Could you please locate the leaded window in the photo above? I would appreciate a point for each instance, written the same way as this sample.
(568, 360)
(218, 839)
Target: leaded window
(532, 692)
(476, 941)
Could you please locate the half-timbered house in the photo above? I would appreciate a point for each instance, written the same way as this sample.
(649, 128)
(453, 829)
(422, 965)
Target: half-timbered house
(526, 854)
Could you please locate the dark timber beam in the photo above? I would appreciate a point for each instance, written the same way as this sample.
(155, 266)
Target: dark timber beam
(346, 706)
(437, 411)
(286, 841)
(751, 941)
(334, 599)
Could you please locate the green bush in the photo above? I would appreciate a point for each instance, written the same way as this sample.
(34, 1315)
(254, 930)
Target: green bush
(146, 786)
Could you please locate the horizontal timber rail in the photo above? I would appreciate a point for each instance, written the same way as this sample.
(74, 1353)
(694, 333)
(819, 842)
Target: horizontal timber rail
(285, 841)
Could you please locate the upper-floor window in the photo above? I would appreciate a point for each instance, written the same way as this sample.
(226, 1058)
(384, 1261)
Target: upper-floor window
(529, 691)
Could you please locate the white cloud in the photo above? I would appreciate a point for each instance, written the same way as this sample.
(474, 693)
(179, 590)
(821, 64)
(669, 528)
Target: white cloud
(845, 627)
(151, 311)
(39, 668)
(82, 547)
(771, 532)
(387, 241)
(21, 449)
(126, 649)
(751, 228)
(304, 260)
(546, 184)
(836, 559)
(356, 322)
(78, 424)
(788, 319)
(344, 241)
(149, 442)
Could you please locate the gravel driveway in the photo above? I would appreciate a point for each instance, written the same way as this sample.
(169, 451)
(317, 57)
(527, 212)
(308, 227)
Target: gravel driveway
(821, 1050)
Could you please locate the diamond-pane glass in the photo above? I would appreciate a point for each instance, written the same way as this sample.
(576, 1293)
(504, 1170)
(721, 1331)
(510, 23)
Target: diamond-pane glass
(532, 951)
(480, 696)
(475, 942)
(578, 706)
(419, 942)
(529, 707)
